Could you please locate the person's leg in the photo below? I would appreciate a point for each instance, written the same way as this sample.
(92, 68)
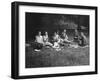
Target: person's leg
(49, 44)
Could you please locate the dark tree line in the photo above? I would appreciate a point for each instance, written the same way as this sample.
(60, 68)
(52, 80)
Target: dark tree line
(52, 22)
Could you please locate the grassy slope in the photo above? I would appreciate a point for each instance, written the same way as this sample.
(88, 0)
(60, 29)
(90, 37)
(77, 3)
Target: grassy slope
(48, 57)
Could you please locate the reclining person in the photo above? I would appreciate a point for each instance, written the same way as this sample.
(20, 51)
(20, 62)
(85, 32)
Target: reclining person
(46, 40)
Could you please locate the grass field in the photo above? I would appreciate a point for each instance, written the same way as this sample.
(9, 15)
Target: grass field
(49, 57)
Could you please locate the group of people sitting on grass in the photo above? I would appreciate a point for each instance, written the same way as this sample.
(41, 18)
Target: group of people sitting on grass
(58, 40)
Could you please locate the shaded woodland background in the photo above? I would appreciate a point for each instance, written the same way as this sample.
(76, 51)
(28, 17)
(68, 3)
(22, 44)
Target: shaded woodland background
(54, 22)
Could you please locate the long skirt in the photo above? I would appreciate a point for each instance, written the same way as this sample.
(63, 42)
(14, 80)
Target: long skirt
(37, 45)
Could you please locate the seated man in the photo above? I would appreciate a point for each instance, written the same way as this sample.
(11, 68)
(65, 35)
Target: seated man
(46, 40)
(82, 40)
(38, 42)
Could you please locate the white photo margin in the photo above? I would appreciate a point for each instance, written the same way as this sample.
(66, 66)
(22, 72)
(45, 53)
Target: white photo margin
(54, 70)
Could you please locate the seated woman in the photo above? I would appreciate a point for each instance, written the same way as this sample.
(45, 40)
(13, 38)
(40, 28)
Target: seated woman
(65, 37)
(38, 42)
(46, 40)
(82, 40)
(56, 40)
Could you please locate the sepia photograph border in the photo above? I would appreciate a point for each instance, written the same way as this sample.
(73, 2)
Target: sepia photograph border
(15, 40)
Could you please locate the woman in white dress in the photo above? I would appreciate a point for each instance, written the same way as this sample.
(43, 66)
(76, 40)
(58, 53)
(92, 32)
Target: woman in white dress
(38, 42)
(39, 38)
(46, 40)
